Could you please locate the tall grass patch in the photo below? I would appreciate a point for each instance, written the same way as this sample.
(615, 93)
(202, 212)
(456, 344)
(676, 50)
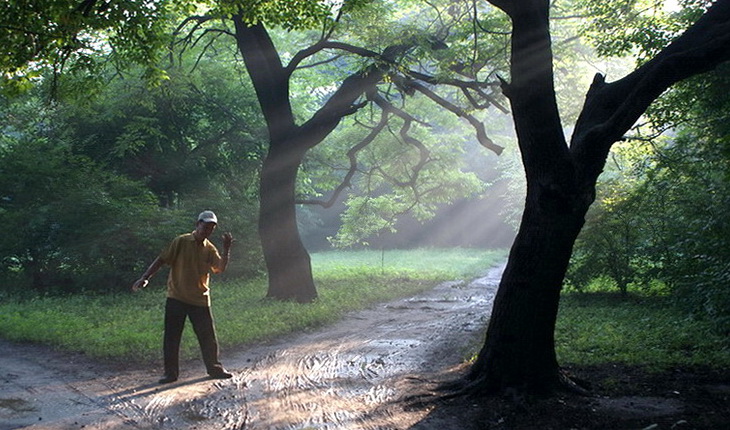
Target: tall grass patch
(116, 325)
(423, 262)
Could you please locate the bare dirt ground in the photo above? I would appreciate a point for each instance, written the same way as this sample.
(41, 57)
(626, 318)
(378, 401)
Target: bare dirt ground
(351, 375)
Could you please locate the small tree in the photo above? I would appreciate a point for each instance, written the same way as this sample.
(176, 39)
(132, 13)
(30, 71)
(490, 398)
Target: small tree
(622, 231)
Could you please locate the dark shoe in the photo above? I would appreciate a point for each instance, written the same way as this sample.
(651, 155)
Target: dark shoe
(220, 374)
(167, 379)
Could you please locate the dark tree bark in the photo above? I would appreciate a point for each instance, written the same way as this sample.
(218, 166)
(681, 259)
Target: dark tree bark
(519, 350)
(287, 260)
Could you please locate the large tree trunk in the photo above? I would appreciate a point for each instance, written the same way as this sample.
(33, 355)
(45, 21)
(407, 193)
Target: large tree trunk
(287, 261)
(519, 350)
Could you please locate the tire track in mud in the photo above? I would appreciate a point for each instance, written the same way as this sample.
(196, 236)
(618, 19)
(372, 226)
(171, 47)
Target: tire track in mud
(349, 375)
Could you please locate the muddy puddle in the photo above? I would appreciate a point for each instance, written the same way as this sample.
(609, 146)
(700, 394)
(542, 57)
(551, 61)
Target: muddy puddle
(349, 375)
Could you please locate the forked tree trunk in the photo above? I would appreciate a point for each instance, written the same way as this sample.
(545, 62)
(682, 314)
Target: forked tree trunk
(287, 260)
(519, 350)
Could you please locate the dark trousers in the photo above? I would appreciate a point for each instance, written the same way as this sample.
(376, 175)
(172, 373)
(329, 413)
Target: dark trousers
(202, 321)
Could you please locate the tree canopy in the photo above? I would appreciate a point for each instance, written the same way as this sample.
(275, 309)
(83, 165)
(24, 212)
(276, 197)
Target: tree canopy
(163, 142)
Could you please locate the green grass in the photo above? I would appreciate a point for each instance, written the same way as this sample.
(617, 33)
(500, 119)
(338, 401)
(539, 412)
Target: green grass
(594, 328)
(640, 330)
(451, 264)
(129, 326)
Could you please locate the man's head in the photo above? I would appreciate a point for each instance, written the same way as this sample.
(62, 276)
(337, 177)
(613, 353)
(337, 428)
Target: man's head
(207, 222)
(208, 216)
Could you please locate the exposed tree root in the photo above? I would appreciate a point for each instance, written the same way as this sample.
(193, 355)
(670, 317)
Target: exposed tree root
(574, 384)
(518, 395)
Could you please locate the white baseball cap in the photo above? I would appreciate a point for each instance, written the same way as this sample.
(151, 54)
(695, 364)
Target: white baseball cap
(208, 216)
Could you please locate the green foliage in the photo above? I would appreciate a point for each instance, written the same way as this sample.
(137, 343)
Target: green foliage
(165, 137)
(633, 27)
(71, 35)
(128, 326)
(614, 241)
(195, 141)
(288, 14)
(396, 177)
(661, 212)
(66, 178)
(639, 330)
(81, 37)
(73, 218)
(182, 138)
(698, 233)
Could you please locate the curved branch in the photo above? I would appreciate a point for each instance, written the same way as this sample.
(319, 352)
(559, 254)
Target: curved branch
(343, 101)
(325, 44)
(465, 87)
(479, 25)
(506, 6)
(352, 156)
(189, 40)
(478, 126)
(205, 48)
(407, 121)
(319, 63)
(611, 109)
(490, 100)
(475, 85)
(196, 20)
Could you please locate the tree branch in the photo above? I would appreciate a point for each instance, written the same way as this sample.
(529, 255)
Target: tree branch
(267, 75)
(478, 126)
(342, 102)
(610, 110)
(197, 22)
(352, 156)
(323, 45)
(465, 87)
(422, 150)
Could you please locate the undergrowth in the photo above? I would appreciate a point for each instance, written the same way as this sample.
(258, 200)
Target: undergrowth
(638, 329)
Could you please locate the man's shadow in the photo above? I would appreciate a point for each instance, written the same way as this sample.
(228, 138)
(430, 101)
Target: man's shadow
(155, 387)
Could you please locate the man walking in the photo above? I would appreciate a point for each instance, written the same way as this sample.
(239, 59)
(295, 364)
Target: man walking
(191, 258)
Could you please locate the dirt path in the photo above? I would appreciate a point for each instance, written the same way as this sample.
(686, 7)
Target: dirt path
(344, 376)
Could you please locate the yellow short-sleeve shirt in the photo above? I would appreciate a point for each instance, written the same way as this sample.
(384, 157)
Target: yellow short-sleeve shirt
(190, 266)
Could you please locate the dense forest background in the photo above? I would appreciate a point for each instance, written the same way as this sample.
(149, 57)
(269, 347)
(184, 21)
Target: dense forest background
(101, 165)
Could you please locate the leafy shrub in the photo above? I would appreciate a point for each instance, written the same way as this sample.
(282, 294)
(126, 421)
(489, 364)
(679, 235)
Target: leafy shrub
(664, 224)
(76, 226)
